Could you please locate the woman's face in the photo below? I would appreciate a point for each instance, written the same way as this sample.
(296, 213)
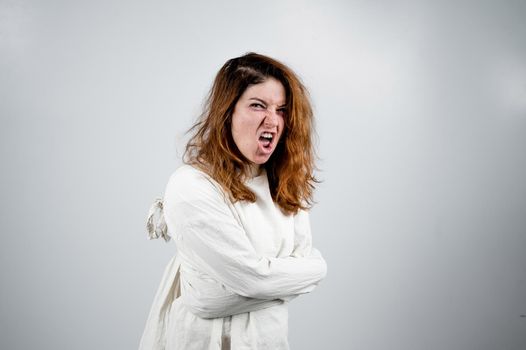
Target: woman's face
(258, 120)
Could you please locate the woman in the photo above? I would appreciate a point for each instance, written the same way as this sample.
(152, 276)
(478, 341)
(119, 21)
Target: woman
(237, 209)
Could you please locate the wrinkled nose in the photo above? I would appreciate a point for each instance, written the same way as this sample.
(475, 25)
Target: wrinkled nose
(271, 119)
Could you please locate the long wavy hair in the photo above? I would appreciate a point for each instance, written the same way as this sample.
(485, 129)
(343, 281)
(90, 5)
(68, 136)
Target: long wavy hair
(213, 150)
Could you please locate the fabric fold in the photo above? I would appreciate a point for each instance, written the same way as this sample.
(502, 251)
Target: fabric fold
(154, 335)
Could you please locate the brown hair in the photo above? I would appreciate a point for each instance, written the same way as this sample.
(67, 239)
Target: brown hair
(213, 150)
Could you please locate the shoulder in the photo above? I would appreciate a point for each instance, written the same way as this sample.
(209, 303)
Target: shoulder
(302, 215)
(189, 182)
(187, 175)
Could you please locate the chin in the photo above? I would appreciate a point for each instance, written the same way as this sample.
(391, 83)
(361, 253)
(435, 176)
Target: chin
(260, 160)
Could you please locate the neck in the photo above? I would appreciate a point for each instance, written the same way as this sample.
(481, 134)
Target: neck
(253, 170)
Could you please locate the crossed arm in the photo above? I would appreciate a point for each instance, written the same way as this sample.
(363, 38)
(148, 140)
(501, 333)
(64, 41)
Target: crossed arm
(227, 276)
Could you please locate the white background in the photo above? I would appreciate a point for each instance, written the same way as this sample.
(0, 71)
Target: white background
(421, 117)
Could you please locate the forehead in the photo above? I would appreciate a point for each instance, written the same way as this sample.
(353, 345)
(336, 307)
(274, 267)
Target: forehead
(270, 91)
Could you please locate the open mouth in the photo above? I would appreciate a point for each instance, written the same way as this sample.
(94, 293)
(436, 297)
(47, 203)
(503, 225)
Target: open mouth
(265, 139)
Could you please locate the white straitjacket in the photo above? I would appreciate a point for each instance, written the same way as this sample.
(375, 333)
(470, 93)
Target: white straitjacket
(237, 267)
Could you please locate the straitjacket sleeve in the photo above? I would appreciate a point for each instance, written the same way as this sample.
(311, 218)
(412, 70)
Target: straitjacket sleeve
(197, 210)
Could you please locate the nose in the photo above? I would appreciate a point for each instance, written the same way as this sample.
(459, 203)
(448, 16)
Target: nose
(271, 119)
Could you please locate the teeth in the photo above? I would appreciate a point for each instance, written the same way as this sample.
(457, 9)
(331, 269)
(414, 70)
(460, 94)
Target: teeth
(267, 135)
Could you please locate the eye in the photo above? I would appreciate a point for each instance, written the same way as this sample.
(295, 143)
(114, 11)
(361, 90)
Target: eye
(257, 105)
(281, 111)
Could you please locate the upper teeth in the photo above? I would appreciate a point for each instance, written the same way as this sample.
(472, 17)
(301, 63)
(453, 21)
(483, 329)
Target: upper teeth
(267, 135)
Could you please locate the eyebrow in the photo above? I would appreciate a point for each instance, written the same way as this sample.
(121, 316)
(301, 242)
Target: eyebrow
(265, 102)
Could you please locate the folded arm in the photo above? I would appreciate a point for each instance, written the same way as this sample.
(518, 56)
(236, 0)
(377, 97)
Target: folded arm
(217, 245)
(208, 298)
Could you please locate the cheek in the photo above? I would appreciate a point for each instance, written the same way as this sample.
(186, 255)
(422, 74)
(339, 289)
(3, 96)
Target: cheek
(243, 132)
(243, 120)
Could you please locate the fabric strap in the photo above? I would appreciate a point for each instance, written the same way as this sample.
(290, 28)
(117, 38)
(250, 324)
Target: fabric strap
(156, 224)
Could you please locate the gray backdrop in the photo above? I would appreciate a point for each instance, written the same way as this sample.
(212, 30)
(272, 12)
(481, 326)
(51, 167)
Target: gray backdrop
(421, 117)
